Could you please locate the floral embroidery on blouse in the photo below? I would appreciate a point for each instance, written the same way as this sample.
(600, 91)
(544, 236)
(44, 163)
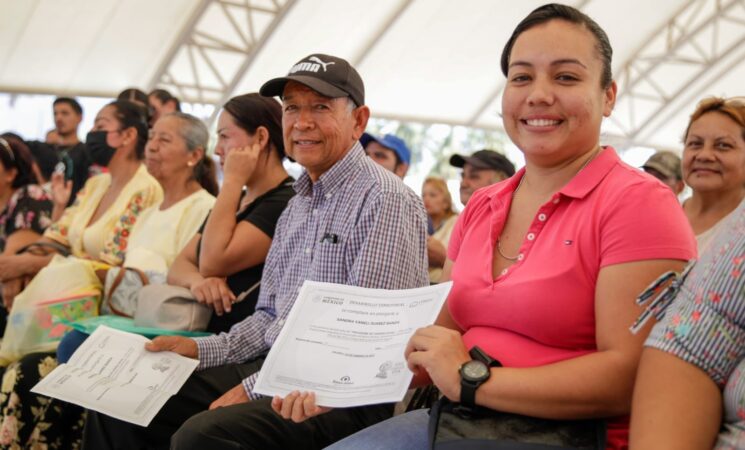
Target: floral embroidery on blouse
(61, 227)
(139, 193)
(117, 246)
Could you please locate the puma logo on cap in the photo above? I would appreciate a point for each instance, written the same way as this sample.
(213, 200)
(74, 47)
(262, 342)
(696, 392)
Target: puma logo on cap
(318, 60)
(328, 75)
(310, 66)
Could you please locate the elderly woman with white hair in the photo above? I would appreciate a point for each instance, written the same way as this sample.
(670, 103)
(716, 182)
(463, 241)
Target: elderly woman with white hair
(175, 155)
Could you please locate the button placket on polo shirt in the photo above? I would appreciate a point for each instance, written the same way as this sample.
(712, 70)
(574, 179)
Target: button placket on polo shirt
(539, 222)
(498, 216)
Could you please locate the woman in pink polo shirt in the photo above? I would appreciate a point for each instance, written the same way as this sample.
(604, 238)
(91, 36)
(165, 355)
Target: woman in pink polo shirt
(546, 265)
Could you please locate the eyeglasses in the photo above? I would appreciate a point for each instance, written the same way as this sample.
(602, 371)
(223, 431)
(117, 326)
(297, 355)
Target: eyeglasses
(7, 148)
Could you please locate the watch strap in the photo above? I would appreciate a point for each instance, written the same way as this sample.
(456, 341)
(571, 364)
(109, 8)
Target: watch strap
(480, 355)
(468, 387)
(468, 393)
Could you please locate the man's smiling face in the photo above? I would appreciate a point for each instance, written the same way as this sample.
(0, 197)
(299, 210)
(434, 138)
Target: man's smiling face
(318, 130)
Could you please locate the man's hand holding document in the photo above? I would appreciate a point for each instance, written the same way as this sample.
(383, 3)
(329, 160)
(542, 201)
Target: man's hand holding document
(346, 344)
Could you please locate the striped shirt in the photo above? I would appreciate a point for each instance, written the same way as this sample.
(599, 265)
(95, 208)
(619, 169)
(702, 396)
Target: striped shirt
(357, 225)
(705, 324)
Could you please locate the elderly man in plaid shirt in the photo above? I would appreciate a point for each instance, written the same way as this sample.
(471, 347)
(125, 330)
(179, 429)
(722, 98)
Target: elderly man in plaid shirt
(351, 222)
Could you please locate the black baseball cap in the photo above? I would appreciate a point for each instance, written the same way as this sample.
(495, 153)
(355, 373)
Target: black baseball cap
(485, 159)
(328, 75)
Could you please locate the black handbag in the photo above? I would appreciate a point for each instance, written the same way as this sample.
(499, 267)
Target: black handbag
(452, 427)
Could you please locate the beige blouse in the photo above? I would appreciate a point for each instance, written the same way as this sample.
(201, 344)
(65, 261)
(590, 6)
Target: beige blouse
(159, 235)
(105, 240)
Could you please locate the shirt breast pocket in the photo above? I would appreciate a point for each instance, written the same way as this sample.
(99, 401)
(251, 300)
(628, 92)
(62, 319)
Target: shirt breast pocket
(329, 262)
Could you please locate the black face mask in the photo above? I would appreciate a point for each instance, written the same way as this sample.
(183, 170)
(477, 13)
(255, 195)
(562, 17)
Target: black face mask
(101, 152)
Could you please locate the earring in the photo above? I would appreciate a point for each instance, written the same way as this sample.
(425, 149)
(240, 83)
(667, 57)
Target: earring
(190, 164)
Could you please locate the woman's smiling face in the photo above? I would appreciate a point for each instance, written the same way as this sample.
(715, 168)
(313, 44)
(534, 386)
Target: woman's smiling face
(714, 154)
(553, 103)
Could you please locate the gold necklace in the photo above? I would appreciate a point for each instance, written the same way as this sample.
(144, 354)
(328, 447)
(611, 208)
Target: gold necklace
(499, 238)
(499, 250)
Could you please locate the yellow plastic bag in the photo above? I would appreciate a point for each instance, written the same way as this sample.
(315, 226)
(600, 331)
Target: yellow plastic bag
(67, 288)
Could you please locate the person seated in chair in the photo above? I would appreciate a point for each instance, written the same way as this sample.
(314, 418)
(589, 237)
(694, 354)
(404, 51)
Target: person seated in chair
(350, 222)
(545, 265)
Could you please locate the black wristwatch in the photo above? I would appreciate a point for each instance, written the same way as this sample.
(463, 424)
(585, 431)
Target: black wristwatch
(473, 374)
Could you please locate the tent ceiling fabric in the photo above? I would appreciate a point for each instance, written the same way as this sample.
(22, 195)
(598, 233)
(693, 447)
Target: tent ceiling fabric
(85, 47)
(422, 60)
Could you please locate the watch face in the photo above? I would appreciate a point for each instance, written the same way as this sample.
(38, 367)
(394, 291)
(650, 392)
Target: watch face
(475, 371)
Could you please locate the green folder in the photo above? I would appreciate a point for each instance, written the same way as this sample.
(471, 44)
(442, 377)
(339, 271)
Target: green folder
(89, 325)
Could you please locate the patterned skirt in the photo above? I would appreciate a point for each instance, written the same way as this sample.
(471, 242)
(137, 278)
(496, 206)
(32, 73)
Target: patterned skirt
(32, 421)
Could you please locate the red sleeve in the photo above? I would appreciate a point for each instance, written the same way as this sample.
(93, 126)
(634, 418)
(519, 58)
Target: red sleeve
(645, 222)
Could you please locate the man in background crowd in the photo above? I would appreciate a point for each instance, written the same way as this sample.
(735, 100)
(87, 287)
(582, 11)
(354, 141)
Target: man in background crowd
(481, 169)
(67, 117)
(389, 151)
(665, 166)
(62, 150)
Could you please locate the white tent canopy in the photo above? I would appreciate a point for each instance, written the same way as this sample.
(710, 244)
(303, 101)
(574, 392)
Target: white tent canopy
(434, 61)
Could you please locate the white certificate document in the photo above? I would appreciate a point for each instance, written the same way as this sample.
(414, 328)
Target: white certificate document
(347, 343)
(112, 373)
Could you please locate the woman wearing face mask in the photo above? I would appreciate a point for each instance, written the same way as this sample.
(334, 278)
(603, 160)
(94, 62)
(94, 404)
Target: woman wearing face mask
(545, 265)
(714, 165)
(96, 227)
(223, 263)
(175, 155)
